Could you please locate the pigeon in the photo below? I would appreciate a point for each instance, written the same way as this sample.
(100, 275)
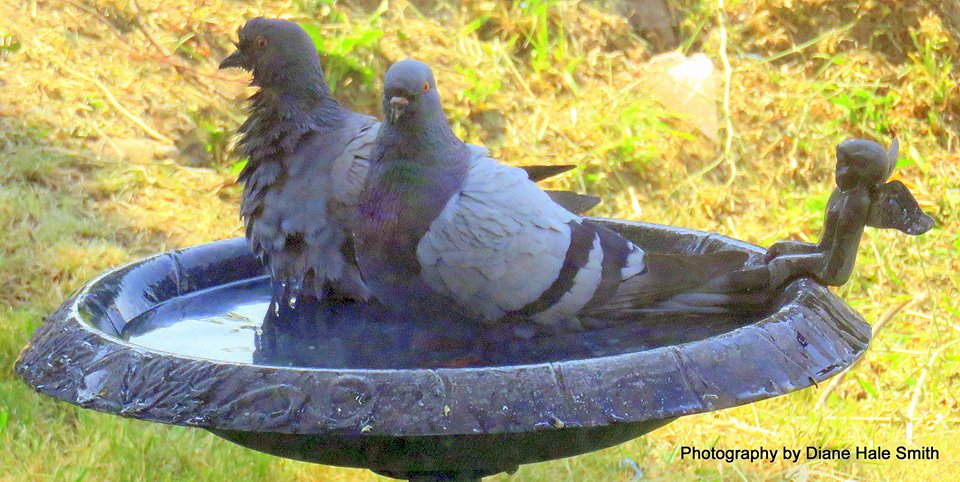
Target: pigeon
(307, 157)
(441, 229)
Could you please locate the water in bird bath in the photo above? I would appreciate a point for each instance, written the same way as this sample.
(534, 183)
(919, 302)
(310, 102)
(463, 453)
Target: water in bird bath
(221, 327)
(226, 323)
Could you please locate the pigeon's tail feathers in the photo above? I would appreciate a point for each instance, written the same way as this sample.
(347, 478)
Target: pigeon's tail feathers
(574, 202)
(700, 304)
(678, 273)
(537, 173)
(684, 284)
(743, 280)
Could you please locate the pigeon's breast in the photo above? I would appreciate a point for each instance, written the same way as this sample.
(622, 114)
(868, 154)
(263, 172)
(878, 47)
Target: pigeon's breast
(289, 200)
(397, 207)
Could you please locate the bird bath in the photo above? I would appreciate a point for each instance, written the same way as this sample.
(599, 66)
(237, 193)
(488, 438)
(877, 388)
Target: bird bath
(179, 338)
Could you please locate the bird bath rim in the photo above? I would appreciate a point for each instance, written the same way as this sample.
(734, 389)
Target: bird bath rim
(812, 336)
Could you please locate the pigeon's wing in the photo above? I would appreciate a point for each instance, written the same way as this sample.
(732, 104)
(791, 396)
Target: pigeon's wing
(571, 201)
(498, 244)
(574, 202)
(537, 173)
(502, 247)
(894, 207)
(350, 169)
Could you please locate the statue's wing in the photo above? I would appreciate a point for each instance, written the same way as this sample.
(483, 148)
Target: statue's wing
(895, 207)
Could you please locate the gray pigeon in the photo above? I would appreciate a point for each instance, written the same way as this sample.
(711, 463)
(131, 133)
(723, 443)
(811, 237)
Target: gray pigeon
(307, 160)
(440, 228)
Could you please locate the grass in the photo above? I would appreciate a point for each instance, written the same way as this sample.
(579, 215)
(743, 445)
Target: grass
(87, 183)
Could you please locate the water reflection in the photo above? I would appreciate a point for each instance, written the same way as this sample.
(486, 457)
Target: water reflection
(232, 323)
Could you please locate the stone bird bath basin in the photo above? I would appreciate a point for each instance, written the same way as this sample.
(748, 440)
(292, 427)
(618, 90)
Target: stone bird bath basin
(179, 338)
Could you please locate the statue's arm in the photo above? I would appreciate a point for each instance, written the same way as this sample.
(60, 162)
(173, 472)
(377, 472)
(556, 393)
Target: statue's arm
(785, 248)
(831, 260)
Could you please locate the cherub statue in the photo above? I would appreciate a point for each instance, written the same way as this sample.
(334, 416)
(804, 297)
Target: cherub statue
(863, 197)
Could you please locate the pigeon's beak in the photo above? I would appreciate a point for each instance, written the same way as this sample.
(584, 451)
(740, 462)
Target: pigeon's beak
(397, 106)
(236, 59)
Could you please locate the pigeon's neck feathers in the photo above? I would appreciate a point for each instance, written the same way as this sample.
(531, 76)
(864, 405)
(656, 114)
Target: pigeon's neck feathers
(298, 90)
(310, 105)
(283, 115)
(424, 138)
(304, 74)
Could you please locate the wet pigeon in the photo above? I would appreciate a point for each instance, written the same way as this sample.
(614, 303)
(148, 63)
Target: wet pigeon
(440, 228)
(307, 160)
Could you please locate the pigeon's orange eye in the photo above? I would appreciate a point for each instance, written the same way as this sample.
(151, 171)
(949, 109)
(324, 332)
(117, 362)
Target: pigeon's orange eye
(262, 42)
(426, 86)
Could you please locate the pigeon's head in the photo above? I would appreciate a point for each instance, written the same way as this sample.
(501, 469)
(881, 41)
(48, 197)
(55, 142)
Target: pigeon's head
(408, 90)
(864, 163)
(269, 47)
